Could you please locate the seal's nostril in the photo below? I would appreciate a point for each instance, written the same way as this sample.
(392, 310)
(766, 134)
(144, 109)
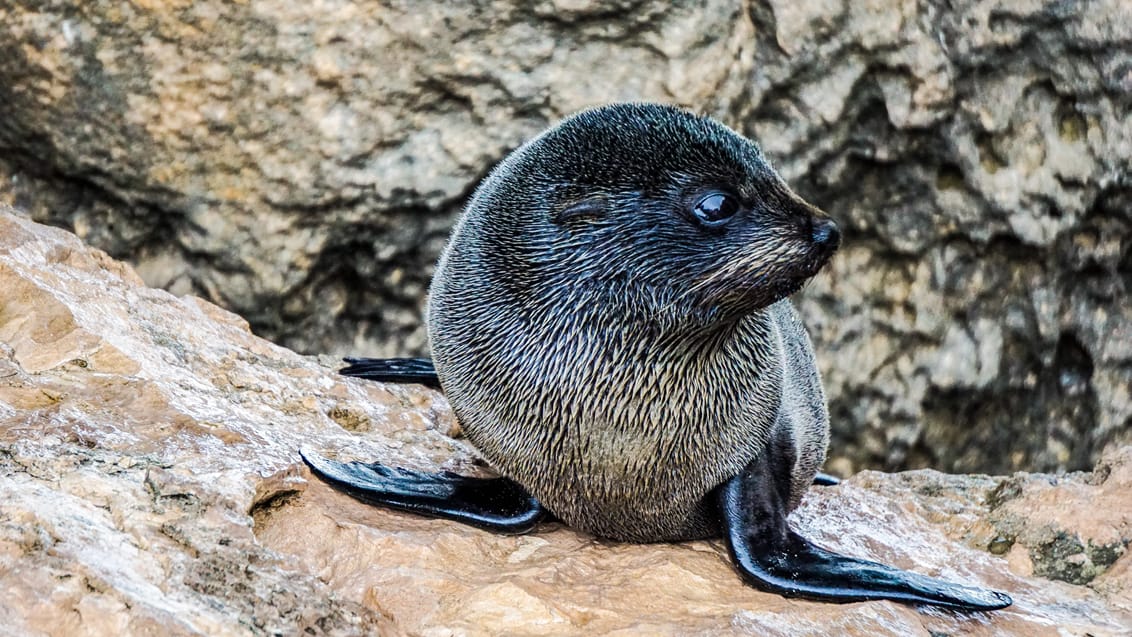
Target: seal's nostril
(826, 232)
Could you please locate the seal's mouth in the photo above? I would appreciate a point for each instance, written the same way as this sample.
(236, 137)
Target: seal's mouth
(825, 239)
(769, 272)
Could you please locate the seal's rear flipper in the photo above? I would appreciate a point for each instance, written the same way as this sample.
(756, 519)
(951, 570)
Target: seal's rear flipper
(393, 370)
(775, 559)
(492, 504)
(826, 480)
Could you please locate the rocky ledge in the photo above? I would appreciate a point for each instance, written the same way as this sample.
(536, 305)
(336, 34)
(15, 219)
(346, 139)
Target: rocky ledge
(151, 480)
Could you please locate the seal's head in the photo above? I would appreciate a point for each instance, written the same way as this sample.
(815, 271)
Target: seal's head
(646, 210)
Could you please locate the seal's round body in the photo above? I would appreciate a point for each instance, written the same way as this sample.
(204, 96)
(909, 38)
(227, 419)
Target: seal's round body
(610, 325)
(609, 350)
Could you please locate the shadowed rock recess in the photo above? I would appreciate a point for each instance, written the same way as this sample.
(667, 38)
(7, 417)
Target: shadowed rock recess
(152, 485)
(301, 164)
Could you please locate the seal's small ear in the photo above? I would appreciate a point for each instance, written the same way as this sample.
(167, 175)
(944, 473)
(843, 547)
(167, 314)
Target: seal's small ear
(586, 208)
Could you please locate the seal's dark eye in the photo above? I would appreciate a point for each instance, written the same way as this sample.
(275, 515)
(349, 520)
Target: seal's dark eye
(715, 209)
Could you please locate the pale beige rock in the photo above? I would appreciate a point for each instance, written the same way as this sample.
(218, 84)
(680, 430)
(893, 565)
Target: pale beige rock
(158, 490)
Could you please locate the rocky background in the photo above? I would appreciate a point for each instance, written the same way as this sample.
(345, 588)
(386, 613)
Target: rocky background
(152, 486)
(300, 164)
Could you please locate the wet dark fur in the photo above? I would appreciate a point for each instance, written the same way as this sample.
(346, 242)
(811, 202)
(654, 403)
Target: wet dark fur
(608, 352)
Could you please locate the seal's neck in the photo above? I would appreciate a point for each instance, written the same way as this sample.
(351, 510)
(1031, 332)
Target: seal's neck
(649, 319)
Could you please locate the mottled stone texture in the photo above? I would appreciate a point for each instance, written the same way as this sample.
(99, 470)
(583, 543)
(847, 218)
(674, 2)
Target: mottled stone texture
(979, 317)
(152, 486)
(300, 164)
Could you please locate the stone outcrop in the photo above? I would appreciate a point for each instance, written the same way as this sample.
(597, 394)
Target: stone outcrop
(149, 465)
(301, 165)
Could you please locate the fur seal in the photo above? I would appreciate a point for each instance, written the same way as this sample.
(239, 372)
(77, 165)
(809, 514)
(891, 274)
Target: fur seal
(611, 326)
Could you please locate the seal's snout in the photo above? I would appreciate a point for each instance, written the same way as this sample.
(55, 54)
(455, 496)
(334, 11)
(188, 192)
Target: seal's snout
(826, 234)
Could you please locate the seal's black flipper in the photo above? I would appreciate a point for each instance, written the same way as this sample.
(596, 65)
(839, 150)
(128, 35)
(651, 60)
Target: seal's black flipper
(393, 370)
(492, 504)
(773, 558)
(826, 480)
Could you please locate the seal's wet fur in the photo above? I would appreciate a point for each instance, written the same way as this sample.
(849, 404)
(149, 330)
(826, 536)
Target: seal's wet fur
(606, 350)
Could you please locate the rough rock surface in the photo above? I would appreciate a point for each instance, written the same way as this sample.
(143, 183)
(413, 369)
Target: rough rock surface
(148, 461)
(300, 164)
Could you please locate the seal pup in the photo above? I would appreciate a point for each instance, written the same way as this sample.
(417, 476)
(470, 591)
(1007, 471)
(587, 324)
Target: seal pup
(609, 322)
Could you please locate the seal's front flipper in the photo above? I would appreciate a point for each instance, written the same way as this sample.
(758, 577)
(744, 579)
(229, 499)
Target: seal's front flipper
(492, 504)
(393, 370)
(775, 559)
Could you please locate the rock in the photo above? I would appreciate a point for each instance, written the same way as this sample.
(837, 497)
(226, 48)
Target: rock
(151, 479)
(978, 317)
(301, 165)
(279, 157)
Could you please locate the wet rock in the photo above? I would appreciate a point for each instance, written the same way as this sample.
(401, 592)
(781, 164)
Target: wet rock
(149, 465)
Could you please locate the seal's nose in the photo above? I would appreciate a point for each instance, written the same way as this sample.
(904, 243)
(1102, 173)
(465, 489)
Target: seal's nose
(825, 233)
